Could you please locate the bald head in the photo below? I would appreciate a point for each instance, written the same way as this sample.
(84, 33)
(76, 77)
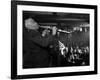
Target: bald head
(31, 24)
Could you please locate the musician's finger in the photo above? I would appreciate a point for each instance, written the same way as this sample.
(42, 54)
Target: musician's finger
(54, 30)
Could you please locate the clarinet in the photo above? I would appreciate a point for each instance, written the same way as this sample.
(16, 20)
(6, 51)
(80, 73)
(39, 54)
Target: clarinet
(59, 30)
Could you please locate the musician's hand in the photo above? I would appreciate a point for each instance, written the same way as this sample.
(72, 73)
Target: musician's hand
(54, 30)
(45, 32)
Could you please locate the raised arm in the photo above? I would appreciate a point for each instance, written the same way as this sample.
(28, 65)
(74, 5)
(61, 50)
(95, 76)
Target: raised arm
(42, 41)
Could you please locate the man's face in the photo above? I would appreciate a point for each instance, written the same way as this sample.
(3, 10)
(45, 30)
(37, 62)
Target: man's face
(31, 24)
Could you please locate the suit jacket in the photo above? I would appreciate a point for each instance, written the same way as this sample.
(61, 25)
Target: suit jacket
(35, 49)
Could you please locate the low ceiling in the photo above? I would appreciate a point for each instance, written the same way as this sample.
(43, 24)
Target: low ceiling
(55, 17)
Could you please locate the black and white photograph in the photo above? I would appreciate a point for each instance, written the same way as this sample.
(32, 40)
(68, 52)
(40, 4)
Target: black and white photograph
(53, 39)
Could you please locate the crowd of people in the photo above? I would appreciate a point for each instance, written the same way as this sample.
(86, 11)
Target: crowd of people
(75, 55)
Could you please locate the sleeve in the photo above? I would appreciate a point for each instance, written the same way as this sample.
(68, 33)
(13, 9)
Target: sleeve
(42, 41)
